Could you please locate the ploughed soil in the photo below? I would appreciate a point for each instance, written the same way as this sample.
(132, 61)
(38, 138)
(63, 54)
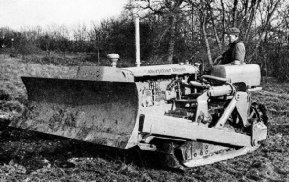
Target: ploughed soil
(30, 156)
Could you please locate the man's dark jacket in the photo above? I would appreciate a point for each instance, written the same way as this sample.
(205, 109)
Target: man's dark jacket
(236, 51)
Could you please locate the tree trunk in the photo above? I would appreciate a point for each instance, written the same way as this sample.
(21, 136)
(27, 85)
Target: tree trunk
(172, 32)
(207, 44)
(193, 22)
(214, 27)
(254, 6)
(223, 22)
(203, 11)
(264, 31)
(235, 13)
(203, 24)
(245, 15)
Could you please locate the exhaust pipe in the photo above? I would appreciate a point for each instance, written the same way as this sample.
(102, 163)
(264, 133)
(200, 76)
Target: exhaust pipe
(113, 58)
(137, 42)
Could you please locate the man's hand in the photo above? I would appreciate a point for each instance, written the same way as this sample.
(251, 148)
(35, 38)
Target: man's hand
(236, 62)
(217, 60)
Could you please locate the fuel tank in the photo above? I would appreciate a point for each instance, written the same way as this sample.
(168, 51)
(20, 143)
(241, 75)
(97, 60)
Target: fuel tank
(248, 73)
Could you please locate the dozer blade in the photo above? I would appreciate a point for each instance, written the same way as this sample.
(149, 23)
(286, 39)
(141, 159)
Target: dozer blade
(96, 111)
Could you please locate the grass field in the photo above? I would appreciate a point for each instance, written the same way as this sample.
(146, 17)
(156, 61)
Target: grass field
(29, 156)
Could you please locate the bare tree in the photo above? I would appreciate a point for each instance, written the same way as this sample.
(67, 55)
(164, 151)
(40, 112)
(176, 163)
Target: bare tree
(270, 8)
(168, 10)
(203, 19)
(253, 8)
(234, 13)
(95, 35)
(80, 34)
(214, 24)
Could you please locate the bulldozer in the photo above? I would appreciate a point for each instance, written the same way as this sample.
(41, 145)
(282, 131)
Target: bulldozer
(176, 110)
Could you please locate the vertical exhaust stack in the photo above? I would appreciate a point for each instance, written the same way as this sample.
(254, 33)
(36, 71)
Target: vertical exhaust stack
(137, 42)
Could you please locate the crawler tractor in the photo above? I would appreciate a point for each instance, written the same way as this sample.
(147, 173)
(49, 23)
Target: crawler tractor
(190, 118)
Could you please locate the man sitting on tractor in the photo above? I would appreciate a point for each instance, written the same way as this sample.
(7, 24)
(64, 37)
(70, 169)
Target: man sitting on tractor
(236, 52)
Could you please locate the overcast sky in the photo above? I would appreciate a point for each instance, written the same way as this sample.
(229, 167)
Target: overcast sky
(20, 13)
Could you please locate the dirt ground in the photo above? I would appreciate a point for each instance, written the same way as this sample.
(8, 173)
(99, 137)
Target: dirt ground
(30, 156)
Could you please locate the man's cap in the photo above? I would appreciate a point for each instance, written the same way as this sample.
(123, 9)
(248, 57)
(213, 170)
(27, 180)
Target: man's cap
(233, 31)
